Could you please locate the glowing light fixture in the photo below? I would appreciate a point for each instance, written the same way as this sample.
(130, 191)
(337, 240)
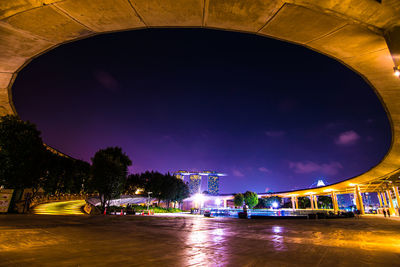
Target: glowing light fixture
(328, 190)
(396, 72)
(218, 202)
(351, 184)
(198, 197)
(275, 204)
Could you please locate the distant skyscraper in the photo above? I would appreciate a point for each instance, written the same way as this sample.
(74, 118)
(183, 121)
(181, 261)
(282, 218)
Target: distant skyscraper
(194, 184)
(213, 184)
(193, 179)
(181, 174)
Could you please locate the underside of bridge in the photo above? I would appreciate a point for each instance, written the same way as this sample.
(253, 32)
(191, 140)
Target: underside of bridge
(364, 35)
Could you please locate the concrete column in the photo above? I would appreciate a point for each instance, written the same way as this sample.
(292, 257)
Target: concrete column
(390, 200)
(334, 202)
(312, 201)
(396, 193)
(297, 202)
(383, 196)
(293, 203)
(316, 202)
(225, 201)
(359, 201)
(380, 199)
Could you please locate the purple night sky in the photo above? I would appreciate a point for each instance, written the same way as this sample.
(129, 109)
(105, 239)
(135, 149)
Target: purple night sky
(271, 115)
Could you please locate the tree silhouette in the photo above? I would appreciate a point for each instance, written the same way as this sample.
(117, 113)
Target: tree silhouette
(108, 173)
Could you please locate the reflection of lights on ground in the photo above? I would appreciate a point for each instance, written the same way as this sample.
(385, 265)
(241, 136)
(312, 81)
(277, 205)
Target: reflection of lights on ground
(218, 235)
(72, 207)
(277, 238)
(276, 229)
(197, 241)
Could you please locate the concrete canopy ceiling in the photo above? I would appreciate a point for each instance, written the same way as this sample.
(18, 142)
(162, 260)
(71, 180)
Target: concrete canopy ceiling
(350, 31)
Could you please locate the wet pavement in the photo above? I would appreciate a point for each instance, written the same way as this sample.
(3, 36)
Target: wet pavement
(51, 240)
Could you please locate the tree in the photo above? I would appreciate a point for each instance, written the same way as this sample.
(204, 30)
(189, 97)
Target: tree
(22, 155)
(262, 203)
(81, 171)
(108, 173)
(325, 202)
(251, 199)
(304, 202)
(154, 184)
(271, 200)
(182, 192)
(134, 182)
(169, 188)
(65, 175)
(238, 200)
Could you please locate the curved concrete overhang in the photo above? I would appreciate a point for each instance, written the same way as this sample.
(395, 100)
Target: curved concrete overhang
(354, 32)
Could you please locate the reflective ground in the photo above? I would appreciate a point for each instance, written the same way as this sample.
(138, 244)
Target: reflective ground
(31, 240)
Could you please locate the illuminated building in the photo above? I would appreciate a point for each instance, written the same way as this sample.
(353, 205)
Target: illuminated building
(181, 174)
(213, 184)
(194, 183)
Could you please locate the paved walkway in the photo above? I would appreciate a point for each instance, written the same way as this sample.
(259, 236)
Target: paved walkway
(32, 240)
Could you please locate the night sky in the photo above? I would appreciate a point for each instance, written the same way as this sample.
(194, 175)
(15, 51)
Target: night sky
(271, 115)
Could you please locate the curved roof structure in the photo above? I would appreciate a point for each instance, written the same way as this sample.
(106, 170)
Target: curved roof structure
(361, 34)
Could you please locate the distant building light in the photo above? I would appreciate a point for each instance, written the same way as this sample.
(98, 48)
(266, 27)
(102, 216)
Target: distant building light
(275, 205)
(198, 198)
(320, 183)
(396, 72)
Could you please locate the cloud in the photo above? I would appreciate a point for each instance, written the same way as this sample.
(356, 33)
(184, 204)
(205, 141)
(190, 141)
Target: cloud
(237, 173)
(263, 169)
(347, 138)
(275, 133)
(302, 167)
(106, 80)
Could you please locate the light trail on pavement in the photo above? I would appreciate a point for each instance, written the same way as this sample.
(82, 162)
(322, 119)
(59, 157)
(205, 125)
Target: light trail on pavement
(72, 207)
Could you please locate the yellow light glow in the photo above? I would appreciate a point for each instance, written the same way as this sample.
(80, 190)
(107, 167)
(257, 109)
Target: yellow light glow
(72, 207)
(396, 73)
(329, 190)
(351, 184)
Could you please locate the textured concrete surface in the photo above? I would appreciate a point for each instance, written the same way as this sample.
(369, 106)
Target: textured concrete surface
(351, 31)
(40, 240)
